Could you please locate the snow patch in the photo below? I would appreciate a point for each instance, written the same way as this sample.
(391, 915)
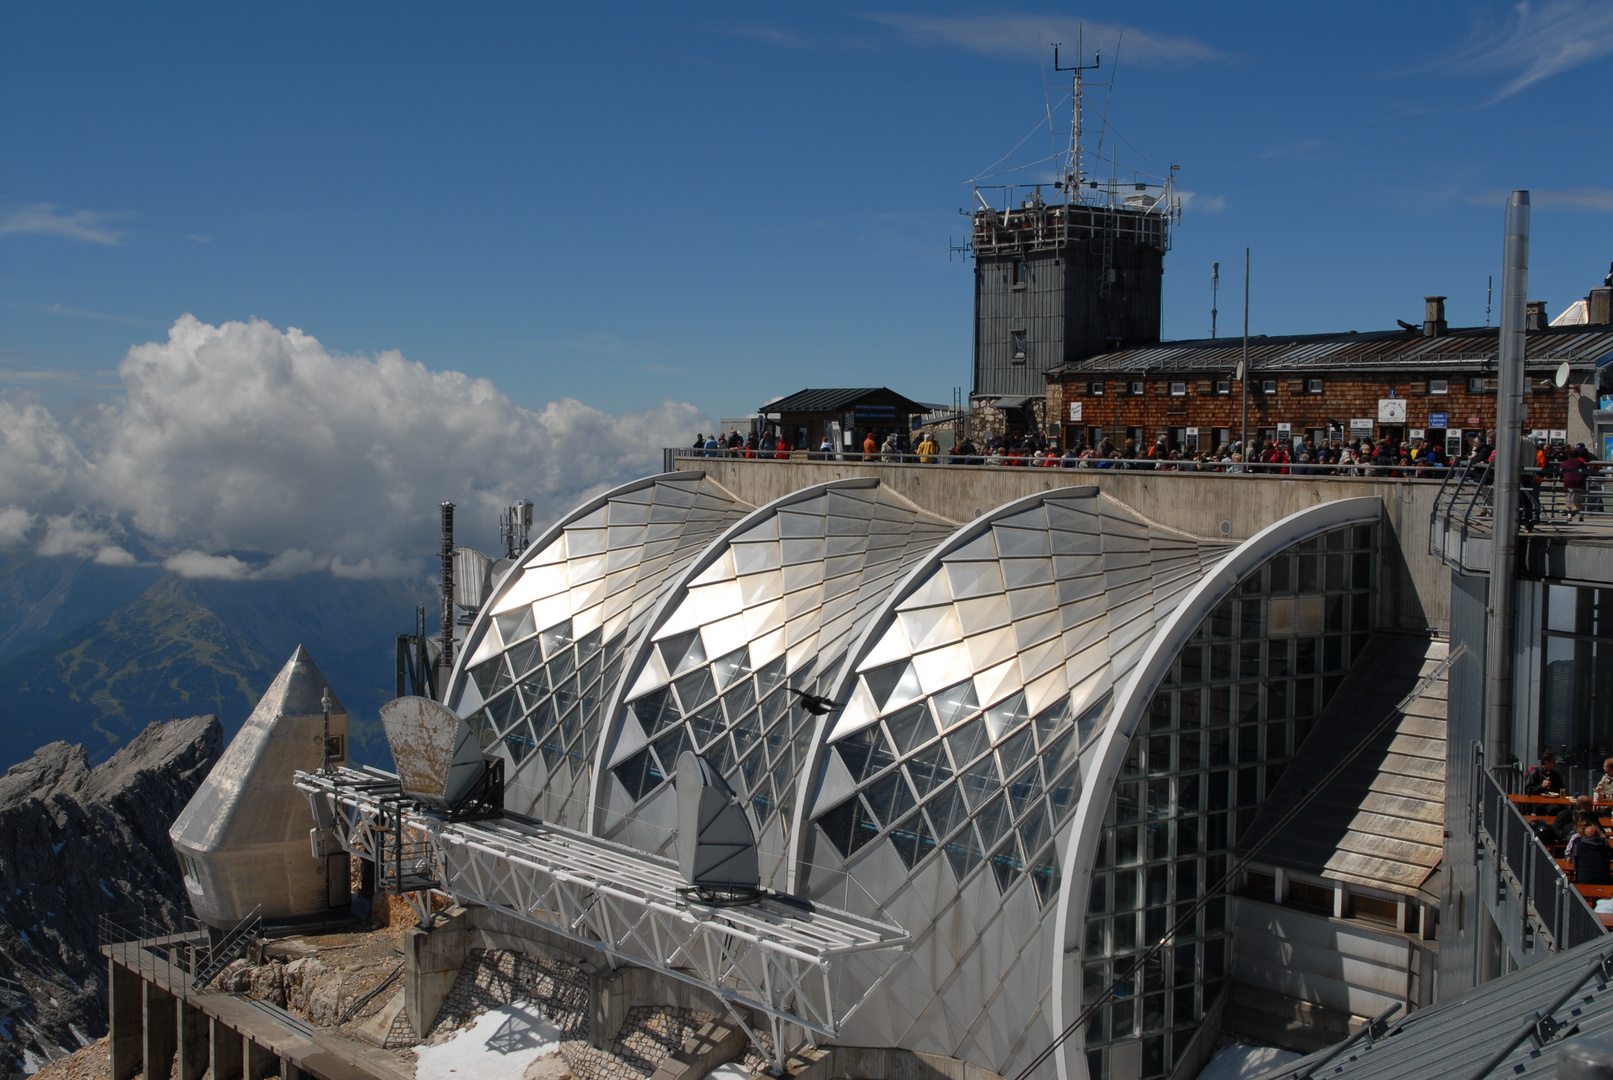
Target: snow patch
(498, 1046)
(1239, 1061)
(731, 1071)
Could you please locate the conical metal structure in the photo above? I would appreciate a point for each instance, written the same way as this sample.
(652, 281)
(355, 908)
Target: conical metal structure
(243, 839)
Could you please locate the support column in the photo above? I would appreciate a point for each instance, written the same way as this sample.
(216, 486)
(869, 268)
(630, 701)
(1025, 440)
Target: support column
(258, 1062)
(193, 1042)
(224, 1058)
(432, 959)
(160, 1038)
(127, 1019)
(292, 1071)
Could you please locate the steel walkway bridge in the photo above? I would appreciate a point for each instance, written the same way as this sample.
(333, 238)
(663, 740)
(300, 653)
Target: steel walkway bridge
(777, 957)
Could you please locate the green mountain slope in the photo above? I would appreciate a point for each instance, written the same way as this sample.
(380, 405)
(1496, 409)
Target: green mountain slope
(162, 656)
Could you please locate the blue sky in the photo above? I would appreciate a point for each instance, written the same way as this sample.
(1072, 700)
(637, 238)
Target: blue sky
(721, 203)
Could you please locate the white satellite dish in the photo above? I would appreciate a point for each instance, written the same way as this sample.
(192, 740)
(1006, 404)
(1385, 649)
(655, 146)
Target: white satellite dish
(1238, 374)
(1562, 374)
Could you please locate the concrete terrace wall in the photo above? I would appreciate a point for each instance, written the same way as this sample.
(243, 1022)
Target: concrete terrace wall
(1416, 586)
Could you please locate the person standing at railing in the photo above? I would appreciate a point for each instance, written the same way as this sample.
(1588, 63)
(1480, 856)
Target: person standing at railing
(927, 449)
(1575, 471)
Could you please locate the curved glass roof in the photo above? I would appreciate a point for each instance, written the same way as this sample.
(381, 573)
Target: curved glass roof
(955, 765)
(765, 614)
(546, 650)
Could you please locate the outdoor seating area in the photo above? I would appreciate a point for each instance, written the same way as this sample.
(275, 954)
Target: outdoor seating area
(1546, 816)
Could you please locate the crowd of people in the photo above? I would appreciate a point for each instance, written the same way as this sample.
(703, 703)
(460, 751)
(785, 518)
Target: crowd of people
(1419, 458)
(1577, 827)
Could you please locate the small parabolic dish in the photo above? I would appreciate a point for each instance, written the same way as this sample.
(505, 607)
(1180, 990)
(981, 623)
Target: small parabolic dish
(716, 848)
(438, 758)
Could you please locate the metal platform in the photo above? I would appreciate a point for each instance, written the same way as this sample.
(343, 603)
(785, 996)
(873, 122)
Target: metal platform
(777, 957)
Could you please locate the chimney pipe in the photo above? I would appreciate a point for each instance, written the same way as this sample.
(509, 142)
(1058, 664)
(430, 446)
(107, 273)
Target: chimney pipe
(445, 661)
(1599, 306)
(1536, 317)
(1434, 324)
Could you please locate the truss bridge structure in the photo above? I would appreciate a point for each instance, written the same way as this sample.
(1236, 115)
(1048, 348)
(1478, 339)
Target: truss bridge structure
(777, 957)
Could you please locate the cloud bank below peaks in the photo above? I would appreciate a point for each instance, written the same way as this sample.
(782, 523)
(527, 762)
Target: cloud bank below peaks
(243, 451)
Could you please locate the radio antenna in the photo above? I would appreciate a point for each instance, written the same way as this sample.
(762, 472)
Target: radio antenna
(1071, 181)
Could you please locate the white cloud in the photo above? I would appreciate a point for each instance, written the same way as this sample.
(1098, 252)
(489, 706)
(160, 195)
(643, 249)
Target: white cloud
(1209, 204)
(247, 451)
(1538, 43)
(1019, 35)
(46, 219)
(112, 555)
(15, 525)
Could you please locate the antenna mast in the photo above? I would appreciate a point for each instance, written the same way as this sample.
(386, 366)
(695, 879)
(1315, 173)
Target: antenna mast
(1073, 175)
(1215, 293)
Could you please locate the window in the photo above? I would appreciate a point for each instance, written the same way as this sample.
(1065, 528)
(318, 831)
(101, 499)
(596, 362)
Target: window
(1178, 389)
(1268, 386)
(1313, 386)
(1137, 388)
(1022, 274)
(1223, 386)
(1016, 339)
(1439, 386)
(1095, 389)
(1475, 384)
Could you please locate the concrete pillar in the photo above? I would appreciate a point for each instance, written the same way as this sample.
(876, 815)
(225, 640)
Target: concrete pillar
(127, 1020)
(160, 1037)
(224, 1057)
(193, 1042)
(431, 962)
(292, 1071)
(258, 1062)
(610, 996)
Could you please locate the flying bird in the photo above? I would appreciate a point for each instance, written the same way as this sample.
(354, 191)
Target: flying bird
(812, 703)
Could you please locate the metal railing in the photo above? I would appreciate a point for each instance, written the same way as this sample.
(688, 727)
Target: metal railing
(1530, 871)
(180, 942)
(230, 947)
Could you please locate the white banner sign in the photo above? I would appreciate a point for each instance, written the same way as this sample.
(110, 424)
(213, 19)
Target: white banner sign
(1075, 411)
(1360, 429)
(1391, 410)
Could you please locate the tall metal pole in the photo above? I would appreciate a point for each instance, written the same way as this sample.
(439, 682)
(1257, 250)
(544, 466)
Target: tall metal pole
(445, 660)
(1243, 432)
(1215, 294)
(1508, 433)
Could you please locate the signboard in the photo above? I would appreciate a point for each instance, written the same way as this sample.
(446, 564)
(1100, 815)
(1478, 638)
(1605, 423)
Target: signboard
(1191, 440)
(1538, 434)
(1559, 437)
(1418, 433)
(1453, 443)
(1391, 410)
(1075, 411)
(1474, 421)
(1360, 429)
(1436, 419)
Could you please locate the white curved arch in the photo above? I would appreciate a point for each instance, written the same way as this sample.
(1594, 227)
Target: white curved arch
(590, 575)
(1167, 641)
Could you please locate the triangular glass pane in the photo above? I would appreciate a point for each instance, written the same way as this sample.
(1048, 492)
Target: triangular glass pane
(754, 770)
(677, 649)
(992, 821)
(964, 854)
(955, 703)
(747, 731)
(705, 725)
(770, 677)
(1024, 789)
(740, 699)
(656, 711)
(695, 689)
(969, 741)
(524, 657)
(929, 769)
(481, 726)
(1062, 795)
(912, 840)
(515, 625)
(590, 643)
(890, 684)
(889, 797)
(947, 811)
(1007, 714)
(1091, 720)
(669, 746)
(980, 782)
(848, 826)
(502, 711)
(556, 638)
(490, 676)
(1007, 865)
(519, 743)
(1046, 876)
(865, 753)
(721, 756)
(728, 668)
(1016, 750)
(561, 666)
(565, 696)
(911, 728)
(1052, 720)
(1033, 831)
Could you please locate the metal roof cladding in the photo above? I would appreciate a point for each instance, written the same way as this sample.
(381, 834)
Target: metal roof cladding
(1459, 1037)
(835, 399)
(1380, 350)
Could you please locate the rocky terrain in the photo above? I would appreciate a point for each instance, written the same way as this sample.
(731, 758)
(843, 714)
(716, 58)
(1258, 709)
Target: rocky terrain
(78, 843)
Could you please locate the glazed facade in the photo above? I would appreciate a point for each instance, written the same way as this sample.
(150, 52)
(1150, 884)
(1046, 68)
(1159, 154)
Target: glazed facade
(1051, 723)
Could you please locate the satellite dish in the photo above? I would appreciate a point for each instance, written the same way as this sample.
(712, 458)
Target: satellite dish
(716, 848)
(1238, 374)
(1562, 374)
(438, 758)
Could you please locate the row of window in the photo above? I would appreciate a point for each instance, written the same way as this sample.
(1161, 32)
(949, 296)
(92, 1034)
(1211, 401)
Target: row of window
(1477, 384)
